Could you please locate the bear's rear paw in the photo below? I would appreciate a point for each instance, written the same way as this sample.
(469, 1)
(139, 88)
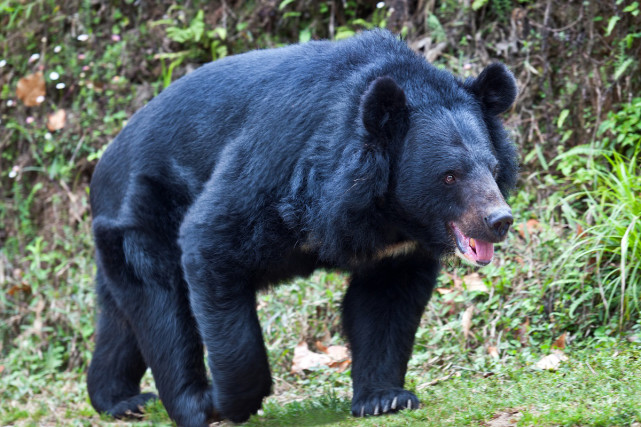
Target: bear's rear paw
(240, 406)
(379, 402)
(132, 407)
(193, 408)
(240, 410)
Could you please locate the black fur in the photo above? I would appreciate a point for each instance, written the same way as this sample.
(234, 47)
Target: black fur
(266, 165)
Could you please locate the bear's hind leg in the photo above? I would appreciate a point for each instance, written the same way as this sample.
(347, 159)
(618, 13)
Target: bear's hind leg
(117, 366)
(145, 283)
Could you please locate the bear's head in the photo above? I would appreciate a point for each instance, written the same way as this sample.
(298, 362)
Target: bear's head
(451, 162)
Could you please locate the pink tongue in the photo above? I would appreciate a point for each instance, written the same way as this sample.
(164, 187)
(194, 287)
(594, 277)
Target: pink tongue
(484, 250)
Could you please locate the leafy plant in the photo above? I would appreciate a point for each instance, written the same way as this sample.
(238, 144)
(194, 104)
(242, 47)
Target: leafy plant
(603, 259)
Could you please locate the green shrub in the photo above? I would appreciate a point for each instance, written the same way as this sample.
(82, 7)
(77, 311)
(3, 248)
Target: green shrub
(602, 265)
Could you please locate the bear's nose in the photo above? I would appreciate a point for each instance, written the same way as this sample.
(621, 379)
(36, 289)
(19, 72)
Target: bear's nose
(499, 221)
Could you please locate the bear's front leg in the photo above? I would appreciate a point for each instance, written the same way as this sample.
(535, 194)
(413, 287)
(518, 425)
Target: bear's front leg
(381, 313)
(223, 300)
(225, 311)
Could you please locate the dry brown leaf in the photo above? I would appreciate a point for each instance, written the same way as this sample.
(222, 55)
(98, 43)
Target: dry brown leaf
(531, 225)
(335, 356)
(31, 89)
(551, 362)
(560, 341)
(22, 287)
(305, 359)
(474, 282)
(493, 351)
(341, 366)
(466, 321)
(443, 291)
(338, 353)
(56, 121)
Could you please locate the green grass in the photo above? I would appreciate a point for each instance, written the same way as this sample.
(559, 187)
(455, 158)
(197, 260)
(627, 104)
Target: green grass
(592, 388)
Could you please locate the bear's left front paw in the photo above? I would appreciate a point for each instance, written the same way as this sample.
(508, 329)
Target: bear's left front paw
(379, 402)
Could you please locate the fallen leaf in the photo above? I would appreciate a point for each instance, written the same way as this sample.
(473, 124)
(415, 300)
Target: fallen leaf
(1, 368)
(338, 353)
(474, 282)
(531, 226)
(305, 359)
(466, 321)
(560, 341)
(56, 121)
(494, 352)
(341, 366)
(31, 89)
(22, 287)
(443, 291)
(551, 362)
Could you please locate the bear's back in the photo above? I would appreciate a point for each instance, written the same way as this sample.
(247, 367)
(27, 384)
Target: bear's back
(274, 100)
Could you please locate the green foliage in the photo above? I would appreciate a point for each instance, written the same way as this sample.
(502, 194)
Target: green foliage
(623, 130)
(602, 262)
(196, 35)
(196, 40)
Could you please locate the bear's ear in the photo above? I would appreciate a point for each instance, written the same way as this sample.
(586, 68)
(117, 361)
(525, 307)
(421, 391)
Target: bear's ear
(384, 109)
(495, 87)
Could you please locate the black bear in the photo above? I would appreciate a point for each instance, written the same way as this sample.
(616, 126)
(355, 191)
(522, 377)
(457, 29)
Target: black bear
(357, 155)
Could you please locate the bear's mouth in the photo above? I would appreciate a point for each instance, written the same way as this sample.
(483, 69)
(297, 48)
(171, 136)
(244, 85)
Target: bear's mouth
(478, 252)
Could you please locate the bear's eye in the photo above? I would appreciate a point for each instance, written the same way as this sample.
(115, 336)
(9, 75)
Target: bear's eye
(450, 178)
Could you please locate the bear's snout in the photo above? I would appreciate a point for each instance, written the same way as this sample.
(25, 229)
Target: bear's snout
(499, 222)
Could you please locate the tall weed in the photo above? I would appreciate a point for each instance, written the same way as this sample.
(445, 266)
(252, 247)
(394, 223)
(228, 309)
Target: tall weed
(602, 264)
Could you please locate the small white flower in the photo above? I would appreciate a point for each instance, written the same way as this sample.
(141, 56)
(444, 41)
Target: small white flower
(3, 62)
(83, 37)
(34, 57)
(57, 49)
(14, 171)
(54, 76)
(60, 86)
(10, 103)
(40, 99)
(380, 5)
(48, 136)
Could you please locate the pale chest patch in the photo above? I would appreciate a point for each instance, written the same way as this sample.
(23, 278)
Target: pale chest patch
(397, 249)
